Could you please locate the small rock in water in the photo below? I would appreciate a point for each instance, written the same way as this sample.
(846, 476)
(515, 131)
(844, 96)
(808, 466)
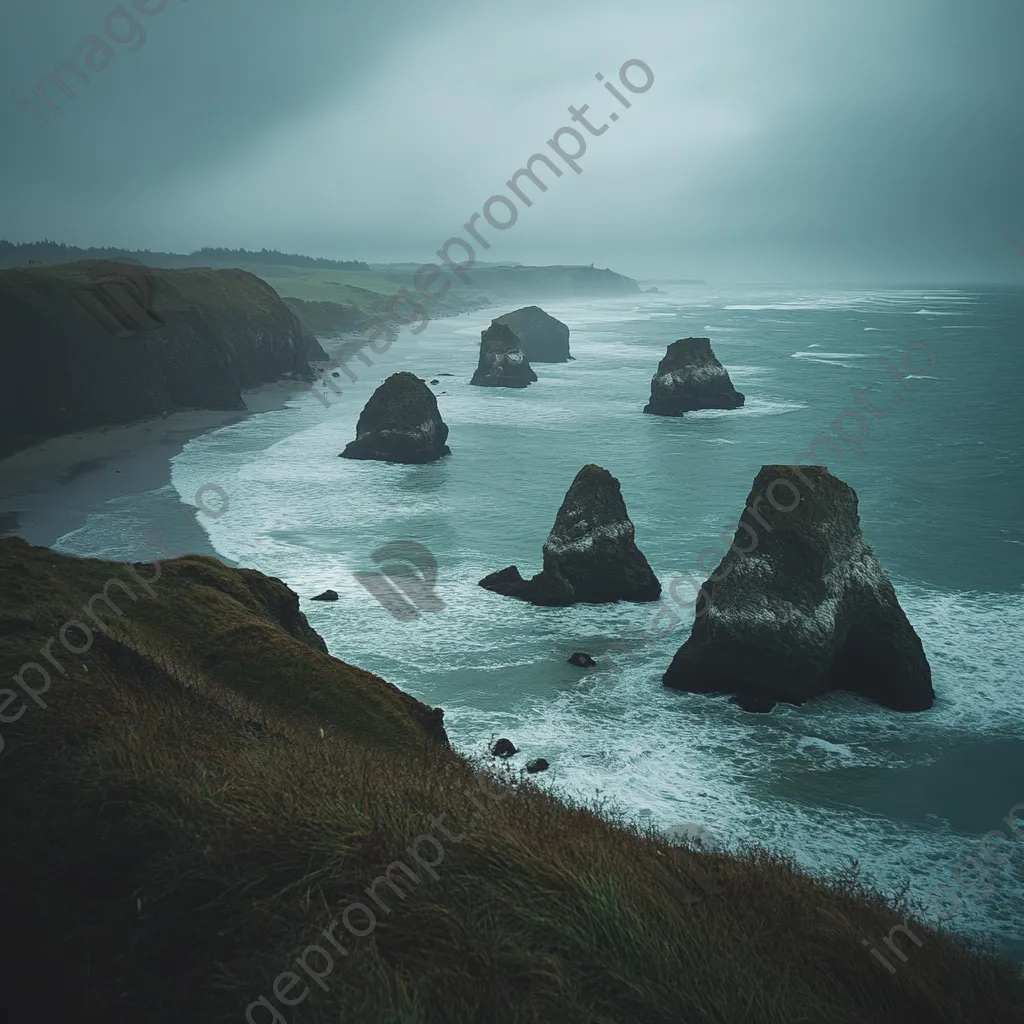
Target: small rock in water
(327, 595)
(504, 748)
(581, 660)
(335, 374)
(435, 381)
(538, 764)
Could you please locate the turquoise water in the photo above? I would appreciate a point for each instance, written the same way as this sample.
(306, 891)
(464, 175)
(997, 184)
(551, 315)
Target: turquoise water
(939, 481)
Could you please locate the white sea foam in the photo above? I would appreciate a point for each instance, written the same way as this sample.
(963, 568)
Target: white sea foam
(811, 780)
(751, 407)
(830, 355)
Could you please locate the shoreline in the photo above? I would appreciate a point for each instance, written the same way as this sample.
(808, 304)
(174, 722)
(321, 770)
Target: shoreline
(52, 488)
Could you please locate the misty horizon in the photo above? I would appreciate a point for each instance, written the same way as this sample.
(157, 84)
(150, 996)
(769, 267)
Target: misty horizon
(788, 146)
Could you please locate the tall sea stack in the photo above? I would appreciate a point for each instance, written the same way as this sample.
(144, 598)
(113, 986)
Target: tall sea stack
(690, 378)
(590, 555)
(800, 605)
(503, 364)
(544, 339)
(400, 423)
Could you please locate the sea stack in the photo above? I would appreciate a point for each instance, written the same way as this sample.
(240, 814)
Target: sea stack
(400, 423)
(800, 605)
(590, 555)
(691, 377)
(544, 339)
(503, 364)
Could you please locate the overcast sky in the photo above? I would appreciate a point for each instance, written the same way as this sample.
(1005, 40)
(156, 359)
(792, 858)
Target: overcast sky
(797, 140)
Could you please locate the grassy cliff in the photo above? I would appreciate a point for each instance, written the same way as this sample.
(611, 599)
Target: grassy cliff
(207, 795)
(96, 343)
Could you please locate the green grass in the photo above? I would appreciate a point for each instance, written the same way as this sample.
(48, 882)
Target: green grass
(209, 790)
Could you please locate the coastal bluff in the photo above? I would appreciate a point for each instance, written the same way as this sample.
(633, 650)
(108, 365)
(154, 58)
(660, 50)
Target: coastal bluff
(98, 343)
(192, 782)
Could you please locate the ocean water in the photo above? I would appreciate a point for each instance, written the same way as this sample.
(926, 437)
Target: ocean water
(938, 472)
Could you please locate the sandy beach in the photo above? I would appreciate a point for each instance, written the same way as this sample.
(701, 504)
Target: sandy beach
(51, 489)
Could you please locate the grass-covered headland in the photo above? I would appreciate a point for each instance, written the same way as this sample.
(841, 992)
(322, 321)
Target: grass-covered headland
(203, 795)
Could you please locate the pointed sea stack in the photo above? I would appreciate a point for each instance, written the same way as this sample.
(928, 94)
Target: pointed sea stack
(689, 378)
(400, 423)
(544, 339)
(590, 555)
(503, 364)
(800, 605)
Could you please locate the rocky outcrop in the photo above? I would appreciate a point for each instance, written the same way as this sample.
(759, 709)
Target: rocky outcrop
(538, 764)
(582, 660)
(122, 342)
(590, 555)
(544, 339)
(800, 606)
(503, 364)
(690, 378)
(504, 748)
(400, 423)
(327, 595)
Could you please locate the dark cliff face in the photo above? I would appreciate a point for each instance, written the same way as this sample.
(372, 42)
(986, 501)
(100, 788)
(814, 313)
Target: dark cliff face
(800, 605)
(590, 555)
(400, 423)
(503, 364)
(544, 339)
(690, 377)
(93, 343)
(329, 318)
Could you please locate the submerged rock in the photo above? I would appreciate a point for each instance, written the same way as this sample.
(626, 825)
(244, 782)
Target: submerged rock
(590, 554)
(538, 764)
(327, 595)
(504, 748)
(503, 363)
(689, 378)
(800, 605)
(581, 660)
(544, 339)
(400, 423)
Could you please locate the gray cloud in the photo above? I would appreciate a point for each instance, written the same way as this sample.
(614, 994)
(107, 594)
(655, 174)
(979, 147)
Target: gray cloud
(792, 141)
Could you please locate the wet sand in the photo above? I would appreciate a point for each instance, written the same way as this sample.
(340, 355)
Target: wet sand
(50, 489)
